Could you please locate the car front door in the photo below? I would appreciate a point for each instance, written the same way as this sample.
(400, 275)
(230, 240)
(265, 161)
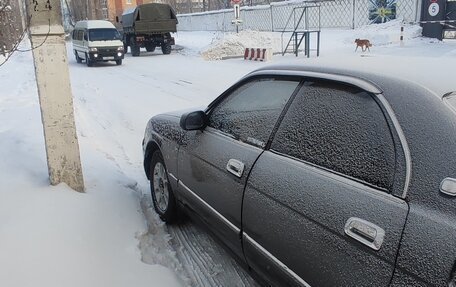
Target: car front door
(318, 205)
(213, 164)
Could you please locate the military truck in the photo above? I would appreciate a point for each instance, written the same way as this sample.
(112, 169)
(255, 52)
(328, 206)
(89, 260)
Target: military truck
(149, 26)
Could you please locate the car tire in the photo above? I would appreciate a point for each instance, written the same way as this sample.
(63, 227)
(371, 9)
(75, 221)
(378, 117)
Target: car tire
(150, 47)
(119, 62)
(78, 59)
(134, 47)
(88, 61)
(162, 194)
(166, 48)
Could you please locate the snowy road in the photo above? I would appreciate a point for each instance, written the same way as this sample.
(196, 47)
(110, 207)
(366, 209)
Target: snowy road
(113, 104)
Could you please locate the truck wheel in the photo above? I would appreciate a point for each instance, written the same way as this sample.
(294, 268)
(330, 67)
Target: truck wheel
(88, 61)
(119, 62)
(78, 59)
(134, 47)
(166, 48)
(126, 40)
(150, 47)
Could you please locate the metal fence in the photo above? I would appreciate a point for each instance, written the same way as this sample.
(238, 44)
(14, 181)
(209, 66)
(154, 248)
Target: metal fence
(273, 17)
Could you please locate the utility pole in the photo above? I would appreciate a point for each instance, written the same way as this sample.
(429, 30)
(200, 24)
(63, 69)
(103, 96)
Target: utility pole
(56, 102)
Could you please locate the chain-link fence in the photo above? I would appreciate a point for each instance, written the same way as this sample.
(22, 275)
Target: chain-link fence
(324, 14)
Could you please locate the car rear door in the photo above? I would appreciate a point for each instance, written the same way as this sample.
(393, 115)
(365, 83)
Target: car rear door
(213, 164)
(318, 207)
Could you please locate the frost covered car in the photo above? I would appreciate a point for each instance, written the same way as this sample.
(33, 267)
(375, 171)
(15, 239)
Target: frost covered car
(317, 177)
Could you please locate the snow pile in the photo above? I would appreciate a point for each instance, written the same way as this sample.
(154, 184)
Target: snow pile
(234, 44)
(386, 33)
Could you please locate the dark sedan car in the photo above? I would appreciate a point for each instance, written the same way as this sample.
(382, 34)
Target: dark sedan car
(317, 177)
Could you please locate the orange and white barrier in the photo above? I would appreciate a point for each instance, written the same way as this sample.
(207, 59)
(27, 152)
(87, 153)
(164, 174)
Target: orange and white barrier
(258, 54)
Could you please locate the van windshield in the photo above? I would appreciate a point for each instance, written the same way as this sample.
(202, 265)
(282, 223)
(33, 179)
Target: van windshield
(106, 34)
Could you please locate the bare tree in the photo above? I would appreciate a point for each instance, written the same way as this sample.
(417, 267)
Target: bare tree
(10, 23)
(84, 9)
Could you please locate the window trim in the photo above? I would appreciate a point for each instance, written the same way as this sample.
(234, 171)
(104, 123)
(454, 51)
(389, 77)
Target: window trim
(446, 100)
(349, 80)
(360, 83)
(403, 142)
(394, 127)
(243, 82)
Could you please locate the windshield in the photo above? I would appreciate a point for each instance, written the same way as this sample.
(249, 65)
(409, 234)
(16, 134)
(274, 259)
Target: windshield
(106, 34)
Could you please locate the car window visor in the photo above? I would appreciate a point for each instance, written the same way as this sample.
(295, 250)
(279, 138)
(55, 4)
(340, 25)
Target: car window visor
(450, 99)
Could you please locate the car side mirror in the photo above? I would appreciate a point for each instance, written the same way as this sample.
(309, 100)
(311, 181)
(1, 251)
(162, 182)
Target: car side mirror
(85, 37)
(193, 121)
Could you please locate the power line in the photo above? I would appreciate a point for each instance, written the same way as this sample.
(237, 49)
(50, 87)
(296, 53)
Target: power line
(21, 38)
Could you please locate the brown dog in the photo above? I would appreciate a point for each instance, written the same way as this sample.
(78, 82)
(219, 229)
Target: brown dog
(363, 43)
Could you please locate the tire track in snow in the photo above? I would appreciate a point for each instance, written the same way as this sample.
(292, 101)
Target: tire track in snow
(204, 262)
(189, 251)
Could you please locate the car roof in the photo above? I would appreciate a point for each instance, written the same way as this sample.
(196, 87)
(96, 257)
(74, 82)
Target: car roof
(321, 73)
(91, 24)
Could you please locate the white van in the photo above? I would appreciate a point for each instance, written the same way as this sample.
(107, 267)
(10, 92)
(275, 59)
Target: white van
(97, 40)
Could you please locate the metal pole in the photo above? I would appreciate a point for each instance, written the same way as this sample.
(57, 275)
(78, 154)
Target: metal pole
(353, 20)
(53, 81)
(272, 19)
(402, 35)
(296, 43)
(417, 10)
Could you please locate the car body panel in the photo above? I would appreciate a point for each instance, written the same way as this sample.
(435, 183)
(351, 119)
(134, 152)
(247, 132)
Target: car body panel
(426, 254)
(302, 218)
(163, 132)
(203, 159)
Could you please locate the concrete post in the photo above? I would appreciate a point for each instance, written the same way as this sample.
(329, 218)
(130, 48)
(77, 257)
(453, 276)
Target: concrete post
(53, 82)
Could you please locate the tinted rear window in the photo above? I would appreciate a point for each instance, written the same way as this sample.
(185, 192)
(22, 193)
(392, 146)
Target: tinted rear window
(340, 128)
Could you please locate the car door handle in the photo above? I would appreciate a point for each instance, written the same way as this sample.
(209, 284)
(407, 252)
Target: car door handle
(235, 167)
(365, 232)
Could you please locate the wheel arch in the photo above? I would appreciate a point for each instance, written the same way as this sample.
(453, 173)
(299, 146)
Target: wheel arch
(152, 146)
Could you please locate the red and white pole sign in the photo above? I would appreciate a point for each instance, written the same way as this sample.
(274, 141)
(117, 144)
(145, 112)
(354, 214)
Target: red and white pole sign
(236, 11)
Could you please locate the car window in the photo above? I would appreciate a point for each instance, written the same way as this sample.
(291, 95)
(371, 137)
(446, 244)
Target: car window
(340, 128)
(251, 111)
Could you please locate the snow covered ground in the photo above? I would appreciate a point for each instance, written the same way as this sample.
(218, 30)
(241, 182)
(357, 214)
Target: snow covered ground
(109, 236)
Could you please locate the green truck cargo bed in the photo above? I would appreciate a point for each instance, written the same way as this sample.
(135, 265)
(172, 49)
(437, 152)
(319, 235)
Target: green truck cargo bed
(150, 18)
